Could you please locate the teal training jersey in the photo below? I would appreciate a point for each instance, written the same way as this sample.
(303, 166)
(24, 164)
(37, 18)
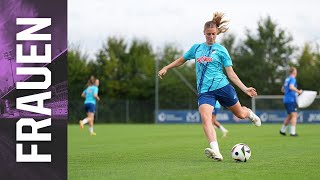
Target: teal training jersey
(210, 61)
(89, 92)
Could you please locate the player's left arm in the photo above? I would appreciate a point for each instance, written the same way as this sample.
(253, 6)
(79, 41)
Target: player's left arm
(292, 88)
(95, 94)
(250, 91)
(97, 97)
(282, 89)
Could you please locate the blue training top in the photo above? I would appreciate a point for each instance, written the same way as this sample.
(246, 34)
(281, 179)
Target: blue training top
(89, 92)
(289, 95)
(210, 60)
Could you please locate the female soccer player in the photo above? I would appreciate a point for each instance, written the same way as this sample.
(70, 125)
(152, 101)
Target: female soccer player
(212, 84)
(216, 109)
(290, 91)
(91, 95)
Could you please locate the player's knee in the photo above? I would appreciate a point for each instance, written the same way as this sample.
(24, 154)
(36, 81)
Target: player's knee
(206, 120)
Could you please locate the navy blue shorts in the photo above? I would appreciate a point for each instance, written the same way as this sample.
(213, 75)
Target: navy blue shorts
(291, 107)
(89, 107)
(226, 96)
(215, 111)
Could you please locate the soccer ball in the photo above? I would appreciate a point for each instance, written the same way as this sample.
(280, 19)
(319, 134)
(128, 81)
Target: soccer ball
(241, 152)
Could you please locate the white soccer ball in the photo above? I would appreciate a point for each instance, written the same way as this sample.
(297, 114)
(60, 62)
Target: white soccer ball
(241, 152)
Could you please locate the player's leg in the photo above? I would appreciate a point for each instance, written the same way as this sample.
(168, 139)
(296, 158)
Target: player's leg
(91, 116)
(227, 97)
(206, 117)
(291, 109)
(87, 119)
(293, 121)
(285, 125)
(205, 112)
(92, 110)
(214, 117)
(243, 112)
(287, 120)
(217, 124)
(84, 121)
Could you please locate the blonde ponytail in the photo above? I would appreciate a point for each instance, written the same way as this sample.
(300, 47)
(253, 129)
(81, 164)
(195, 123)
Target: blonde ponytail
(217, 22)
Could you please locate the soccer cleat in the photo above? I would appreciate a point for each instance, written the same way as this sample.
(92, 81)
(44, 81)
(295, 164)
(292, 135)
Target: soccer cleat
(81, 124)
(93, 134)
(294, 135)
(210, 153)
(225, 133)
(255, 119)
(282, 133)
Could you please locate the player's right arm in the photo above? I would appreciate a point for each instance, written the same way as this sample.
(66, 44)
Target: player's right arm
(178, 62)
(84, 93)
(190, 54)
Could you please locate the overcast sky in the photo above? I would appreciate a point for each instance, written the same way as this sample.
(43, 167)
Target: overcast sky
(181, 21)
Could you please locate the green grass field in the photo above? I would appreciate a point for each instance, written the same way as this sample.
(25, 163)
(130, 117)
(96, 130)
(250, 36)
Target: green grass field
(177, 152)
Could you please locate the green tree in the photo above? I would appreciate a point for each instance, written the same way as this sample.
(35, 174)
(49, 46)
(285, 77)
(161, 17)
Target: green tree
(78, 72)
(229, 42)
(141, 70)
(308, 67)
(174, 90)
(128, 71)
(262, 59)
(109, 67)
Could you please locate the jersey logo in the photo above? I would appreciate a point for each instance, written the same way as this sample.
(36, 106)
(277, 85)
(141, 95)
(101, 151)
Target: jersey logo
(203, 59)
(213, 52)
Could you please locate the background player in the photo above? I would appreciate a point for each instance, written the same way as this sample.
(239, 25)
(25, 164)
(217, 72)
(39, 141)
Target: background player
(290, 90)
(91, 96)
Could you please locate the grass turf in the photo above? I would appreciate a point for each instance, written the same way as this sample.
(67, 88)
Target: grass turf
(177, 152)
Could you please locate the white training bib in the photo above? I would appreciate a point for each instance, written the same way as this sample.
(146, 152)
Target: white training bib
(306, 98)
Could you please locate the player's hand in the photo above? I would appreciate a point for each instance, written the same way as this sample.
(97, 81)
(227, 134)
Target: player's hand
(250, 91)
(162, 72)
(300, 91)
